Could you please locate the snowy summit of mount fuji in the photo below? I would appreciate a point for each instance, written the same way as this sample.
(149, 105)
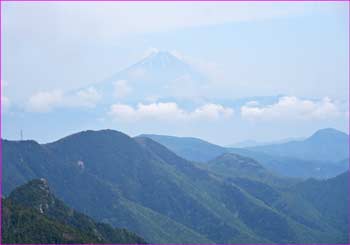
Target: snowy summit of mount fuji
(160, 73)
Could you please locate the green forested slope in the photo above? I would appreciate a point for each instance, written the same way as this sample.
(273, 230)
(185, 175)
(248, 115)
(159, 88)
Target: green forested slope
(32, 214)
(142, 186)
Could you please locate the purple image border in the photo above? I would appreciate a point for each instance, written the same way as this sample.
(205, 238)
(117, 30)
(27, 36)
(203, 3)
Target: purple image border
(1, 1)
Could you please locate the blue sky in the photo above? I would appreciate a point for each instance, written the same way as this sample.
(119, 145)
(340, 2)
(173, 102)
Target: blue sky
(295, 53)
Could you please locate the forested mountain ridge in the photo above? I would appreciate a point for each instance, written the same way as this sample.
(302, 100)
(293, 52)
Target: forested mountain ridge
(32, 214)
(141, 185)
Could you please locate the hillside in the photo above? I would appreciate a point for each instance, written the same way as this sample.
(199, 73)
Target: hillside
(330, 197)
(141, 185)
(192, 149)
(32, 214)
(319, 204)
(232, 165)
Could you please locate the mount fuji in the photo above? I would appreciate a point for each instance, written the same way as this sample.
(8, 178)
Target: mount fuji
(159, 73)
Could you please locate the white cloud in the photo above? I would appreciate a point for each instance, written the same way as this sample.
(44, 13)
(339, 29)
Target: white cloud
(292, 108)
(121, 89)
(168, 112)
(86, 97)
(213, 111)
(46, 101)
(252, 103)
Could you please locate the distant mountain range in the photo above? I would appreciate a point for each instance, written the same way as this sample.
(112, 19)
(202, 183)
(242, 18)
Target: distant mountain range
(327, 145)
(32, 214)
(322, 155)
(252, 143)
(141, 185)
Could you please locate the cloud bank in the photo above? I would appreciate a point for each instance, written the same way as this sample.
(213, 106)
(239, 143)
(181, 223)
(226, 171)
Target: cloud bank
(291, 108)
(168, 112)
(46, 101)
